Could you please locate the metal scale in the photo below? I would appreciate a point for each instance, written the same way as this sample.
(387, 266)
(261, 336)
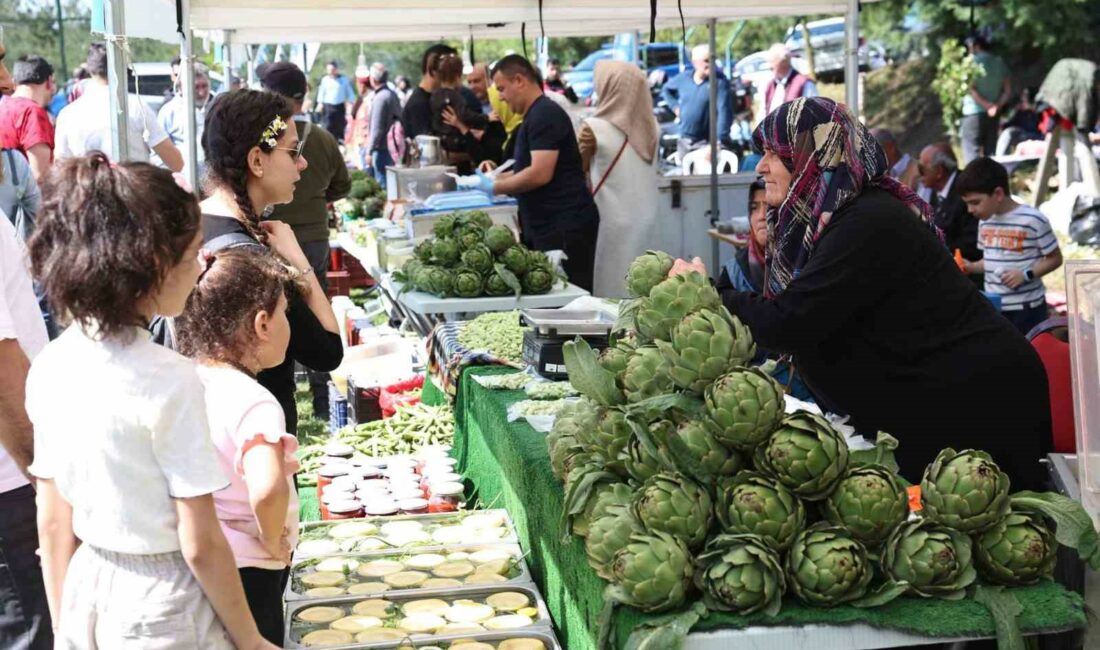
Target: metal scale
(551, 328)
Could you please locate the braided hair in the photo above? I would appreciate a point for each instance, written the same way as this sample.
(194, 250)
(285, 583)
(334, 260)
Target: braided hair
(235, 122)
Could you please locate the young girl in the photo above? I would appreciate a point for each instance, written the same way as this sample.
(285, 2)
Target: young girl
(447, 69)
(253, 162)
(235, 325)
(132, 554)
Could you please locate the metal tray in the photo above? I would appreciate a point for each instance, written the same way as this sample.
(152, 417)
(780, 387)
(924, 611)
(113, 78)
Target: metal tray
(295, 631)
(568, 322)
(316, 530)
(520, 575)
(545, 635)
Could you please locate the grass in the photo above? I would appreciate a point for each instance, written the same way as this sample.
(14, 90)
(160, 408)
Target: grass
(311, 429)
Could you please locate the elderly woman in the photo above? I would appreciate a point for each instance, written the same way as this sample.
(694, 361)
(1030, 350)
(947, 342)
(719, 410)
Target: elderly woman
(882, 326)
(618, 147)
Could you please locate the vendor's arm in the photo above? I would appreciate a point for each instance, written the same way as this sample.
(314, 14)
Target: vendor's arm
(537, 174)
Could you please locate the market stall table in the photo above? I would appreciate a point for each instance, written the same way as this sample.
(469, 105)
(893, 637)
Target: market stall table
(425, 304)
(509, 466)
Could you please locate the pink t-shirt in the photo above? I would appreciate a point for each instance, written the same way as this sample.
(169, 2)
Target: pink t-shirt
(243, 413)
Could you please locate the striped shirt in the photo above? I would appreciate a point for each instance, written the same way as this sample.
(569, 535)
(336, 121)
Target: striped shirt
(1015, 240)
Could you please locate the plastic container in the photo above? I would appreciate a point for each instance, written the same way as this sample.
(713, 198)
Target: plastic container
(1083, 296)
(443, 530)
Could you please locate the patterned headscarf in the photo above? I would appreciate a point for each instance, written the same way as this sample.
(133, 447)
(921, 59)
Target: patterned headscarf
(832, 158)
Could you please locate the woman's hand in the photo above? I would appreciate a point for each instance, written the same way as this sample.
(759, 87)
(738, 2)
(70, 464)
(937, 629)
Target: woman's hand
(278, 547)
(486, 166)
(494, 116)
(450, 118)
(694, 266)
(282, 240)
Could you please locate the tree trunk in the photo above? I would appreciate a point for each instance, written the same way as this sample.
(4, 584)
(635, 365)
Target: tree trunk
(808, 52)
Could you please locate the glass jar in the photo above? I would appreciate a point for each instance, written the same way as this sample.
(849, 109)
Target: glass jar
(326, 474)
(351, 509)
(400, 494)
(347, 483)
(413, 506)
(381, 508)
(336, 449)
(445, 497)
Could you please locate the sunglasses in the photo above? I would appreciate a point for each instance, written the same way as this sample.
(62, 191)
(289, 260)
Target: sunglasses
(296, 152)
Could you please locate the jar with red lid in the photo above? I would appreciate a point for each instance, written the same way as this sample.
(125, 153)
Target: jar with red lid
(445, 497)
(345, 510)
(326, 474)
(413, 506)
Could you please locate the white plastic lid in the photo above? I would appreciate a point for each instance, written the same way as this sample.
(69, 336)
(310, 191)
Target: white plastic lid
(409, 505)
(346, 482)
(407, 493)
(339, 449)
(449, 477)
(344, 507)
(380, 508)
(447, 489)
(333, 470)
(335, 496)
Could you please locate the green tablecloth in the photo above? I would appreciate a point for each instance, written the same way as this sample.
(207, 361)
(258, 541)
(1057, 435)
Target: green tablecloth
(510, 467)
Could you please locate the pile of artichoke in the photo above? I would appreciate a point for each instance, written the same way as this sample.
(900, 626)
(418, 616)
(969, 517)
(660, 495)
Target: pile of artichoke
(469, 257)
(689, 482)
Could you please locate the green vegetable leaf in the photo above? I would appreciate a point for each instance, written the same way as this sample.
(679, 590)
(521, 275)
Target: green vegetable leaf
(1073, 526)
(685, 461)
(509, 278)
(665, 632)
(628, 309)
(1006, 611)
(883, 594)
(612, 596)
(588, 376)
(882, 454)
(655, 406)
(578, 496)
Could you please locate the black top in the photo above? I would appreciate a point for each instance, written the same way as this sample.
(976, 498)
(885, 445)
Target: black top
(564, 204)
(489, 147)
(450, 137)
(416, 119)
(310, 343)
(884, 328)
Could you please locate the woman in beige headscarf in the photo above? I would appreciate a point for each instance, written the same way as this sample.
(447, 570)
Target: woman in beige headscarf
(618, 149)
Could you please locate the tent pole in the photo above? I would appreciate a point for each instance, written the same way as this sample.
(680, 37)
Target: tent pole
(187, 87)
(228, 45)
(115, 21)
(851, 62)
(714, 135)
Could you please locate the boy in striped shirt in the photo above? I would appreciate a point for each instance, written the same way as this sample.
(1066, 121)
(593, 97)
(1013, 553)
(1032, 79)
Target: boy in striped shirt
(1017, 241)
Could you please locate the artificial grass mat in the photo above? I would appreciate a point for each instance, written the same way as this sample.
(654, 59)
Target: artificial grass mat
(510, 467)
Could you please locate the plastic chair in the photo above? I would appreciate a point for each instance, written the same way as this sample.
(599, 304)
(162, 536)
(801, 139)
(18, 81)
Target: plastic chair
(1051, 341)
(696, 162)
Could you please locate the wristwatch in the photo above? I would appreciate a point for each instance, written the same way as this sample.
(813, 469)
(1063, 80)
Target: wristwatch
(1029, 275)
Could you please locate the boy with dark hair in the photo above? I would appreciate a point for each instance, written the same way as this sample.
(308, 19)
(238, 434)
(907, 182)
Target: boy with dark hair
(1018, 243)
(24, 123)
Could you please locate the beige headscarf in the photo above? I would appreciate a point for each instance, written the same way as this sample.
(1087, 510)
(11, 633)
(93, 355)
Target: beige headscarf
(624, 100)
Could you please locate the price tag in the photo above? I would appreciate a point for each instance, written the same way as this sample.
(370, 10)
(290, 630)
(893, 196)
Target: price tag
(914, 498)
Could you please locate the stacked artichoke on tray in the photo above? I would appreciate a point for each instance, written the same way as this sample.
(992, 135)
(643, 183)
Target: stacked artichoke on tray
(690, 484)
(470, 257)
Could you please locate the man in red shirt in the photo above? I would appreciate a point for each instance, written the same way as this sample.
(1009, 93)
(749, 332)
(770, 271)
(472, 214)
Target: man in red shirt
(24, 123)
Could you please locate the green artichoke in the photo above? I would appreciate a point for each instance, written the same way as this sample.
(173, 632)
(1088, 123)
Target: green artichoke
(538, 260)
(496, 286)
(674, 504)
(640, 462)
(562, 450)
(670, 301)
(714, 459)
(705, 345)
(614, 358)
(751, 503)
(1018, 550)
(434, 280)
(646, 375)
(470, 236)
(806, 454)
(408, 272)
(653, 572)
(607, 535)
(515, 259)
(740, 573)
(746, 406)
(444, 226)
(965, 490)
(538, 281)
(499, 238)
(562, 438)
(478, 258)
(423, 251)
(933, 559)
(647, 271)
(467, 283)
(608, 495)
(826, 567)
(445, 252)
(479, 218)
(870, 502)
(608, 438)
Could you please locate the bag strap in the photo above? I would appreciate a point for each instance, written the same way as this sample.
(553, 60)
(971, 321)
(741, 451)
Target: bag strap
(14, 173)
(230, 240)
(610, 167)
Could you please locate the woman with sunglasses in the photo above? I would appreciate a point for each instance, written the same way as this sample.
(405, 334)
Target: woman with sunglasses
(253, 161)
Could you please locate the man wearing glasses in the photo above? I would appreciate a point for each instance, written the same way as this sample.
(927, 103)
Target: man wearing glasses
(688, 95)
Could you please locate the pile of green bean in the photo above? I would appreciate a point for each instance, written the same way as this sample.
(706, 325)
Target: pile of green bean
(497, 332)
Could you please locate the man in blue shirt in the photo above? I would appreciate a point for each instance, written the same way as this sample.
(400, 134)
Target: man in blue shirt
(688, 95)
(335, 96)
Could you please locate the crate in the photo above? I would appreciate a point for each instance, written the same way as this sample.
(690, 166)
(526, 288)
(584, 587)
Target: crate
(358, 275)
(362, 401)
(339, 283)
(337, 409)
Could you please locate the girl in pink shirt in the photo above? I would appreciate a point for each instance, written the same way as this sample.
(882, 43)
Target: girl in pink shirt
(235, 325)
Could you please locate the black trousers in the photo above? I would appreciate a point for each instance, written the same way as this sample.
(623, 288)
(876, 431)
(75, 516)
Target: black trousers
(264, 590)
(578, 241)
(334, 119)
(24, 613)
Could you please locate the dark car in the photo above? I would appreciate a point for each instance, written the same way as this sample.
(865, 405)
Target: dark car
(655, 57)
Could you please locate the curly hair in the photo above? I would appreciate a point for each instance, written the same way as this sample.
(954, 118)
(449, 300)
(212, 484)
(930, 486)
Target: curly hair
(235, 122)
(107, 235)
(216, 324)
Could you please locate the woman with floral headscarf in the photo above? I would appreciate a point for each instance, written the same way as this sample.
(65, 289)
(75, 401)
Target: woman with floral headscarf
(882, 326)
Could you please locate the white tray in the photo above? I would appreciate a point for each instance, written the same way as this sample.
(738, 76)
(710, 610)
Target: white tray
(422, 303)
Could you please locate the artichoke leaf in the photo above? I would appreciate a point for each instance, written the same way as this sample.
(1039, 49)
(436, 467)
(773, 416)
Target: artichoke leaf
(628, 311)
(1073, 526)
(658, 405)
(666, 632)
(588, 376)
(687, 462)
(509, 278)
(1006, 610)
(578, 495)
(612, 596)
(884, 593)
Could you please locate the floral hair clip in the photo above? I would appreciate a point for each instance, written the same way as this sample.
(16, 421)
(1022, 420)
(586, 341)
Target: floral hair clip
(270, 137)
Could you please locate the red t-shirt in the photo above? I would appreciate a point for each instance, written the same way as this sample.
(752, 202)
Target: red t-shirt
(24, 124)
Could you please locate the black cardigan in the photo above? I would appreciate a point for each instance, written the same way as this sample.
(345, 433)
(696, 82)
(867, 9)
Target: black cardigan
(884, 328)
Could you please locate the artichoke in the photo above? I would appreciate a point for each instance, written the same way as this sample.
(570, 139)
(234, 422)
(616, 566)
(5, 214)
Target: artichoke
(607, 535)
(478, 258)
(608, 438)
(479, 218)
(670, 301)
(614, 358)
(751, 503)
(515, 259)
(434, 280)
(640, 462)
(499, 238)
(408, 272)
(646, 375)
(806, 454)
(965, 490)
(653, 572)
(740, 573)
(496, 286)
(1018, 550)
(933, 559)
(444, 226)
(714, 459)
(562, 439)
(746, 406)
(538, 281)
(647, 271)
(445, 252)
(870, 502)
(538, 260)
(705, 345)
(607, 496)
(423, 251)
(466, 283)
(470, 236)
(826, 566)
(562, 450)
(674, 504)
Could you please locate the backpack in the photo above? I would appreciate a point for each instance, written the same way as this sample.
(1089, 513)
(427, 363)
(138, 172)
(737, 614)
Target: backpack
(20, 218)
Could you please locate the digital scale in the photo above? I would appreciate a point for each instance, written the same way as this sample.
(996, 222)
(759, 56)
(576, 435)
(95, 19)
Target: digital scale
(551, 328)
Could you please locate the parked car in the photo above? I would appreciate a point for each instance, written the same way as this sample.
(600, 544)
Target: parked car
(152, 82)
(828, 40)
(656, 57)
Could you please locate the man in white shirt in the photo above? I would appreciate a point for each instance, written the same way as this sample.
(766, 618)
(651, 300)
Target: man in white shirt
(174, 112)
(85, 124)
(788, 84)
(25, 619)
